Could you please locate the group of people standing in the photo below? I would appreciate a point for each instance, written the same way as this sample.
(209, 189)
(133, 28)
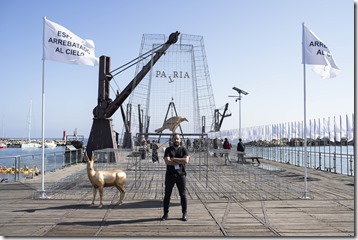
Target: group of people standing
(240, 147)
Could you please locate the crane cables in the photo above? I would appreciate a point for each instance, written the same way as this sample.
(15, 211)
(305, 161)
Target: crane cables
(130, 63)
(134, 61)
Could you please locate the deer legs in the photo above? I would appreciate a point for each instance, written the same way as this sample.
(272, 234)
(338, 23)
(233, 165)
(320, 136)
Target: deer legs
(122, 192)
(100, 196)
(94, 195)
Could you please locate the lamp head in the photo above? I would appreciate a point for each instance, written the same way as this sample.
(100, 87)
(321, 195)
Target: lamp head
(240, 90)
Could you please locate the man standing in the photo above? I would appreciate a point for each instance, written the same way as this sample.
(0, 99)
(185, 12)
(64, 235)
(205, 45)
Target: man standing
(227, 146)
(241, 149)
(175, 157)
(215, 144)
(155, 152)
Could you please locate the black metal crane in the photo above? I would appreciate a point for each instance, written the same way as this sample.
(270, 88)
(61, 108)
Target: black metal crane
(218, 122)
(101, 135)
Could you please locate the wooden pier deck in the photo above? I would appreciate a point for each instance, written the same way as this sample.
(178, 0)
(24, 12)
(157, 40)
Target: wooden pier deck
(233, 200)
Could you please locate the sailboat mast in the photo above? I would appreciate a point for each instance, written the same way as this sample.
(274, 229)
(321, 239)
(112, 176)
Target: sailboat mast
(3, 128)
(29, 122)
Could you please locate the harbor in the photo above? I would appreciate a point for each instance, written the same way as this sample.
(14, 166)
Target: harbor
(246, 163)
(233, 200)
(75, 139)
(335, 159)
(16, 143)
(18, 161)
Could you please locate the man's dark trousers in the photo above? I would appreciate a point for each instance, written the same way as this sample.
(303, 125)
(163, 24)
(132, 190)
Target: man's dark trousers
(180, 181)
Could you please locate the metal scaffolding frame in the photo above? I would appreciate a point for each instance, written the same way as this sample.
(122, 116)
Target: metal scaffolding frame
(181, 76)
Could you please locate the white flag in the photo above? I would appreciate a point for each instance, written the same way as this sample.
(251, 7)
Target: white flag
(62, 45)
(350, 128)
(315, 52)
(317, 126)
(325, 132)
(343, 128)
(330, 128)
(337, 131)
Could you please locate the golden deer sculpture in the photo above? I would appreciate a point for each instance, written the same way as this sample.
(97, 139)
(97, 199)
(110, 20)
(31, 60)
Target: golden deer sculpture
(105, 178)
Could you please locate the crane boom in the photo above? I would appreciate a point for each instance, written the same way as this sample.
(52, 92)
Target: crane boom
(113, 106)
(101, 135)
(224, 115)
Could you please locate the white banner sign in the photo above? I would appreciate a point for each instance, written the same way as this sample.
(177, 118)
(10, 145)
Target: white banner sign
(315, 52)
(62, 45)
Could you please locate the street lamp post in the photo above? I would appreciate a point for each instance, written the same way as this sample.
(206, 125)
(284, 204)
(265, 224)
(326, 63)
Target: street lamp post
(239, 91)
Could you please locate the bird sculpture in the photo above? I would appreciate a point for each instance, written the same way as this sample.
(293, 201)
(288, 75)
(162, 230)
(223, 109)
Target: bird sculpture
(172, 124)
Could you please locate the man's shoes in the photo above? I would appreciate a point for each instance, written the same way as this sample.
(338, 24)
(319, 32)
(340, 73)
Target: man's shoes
(165, 217)
(184, 218)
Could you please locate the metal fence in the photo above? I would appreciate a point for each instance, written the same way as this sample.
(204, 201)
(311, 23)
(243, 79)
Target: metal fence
(29, 165)
(210, 176)
(333, 159)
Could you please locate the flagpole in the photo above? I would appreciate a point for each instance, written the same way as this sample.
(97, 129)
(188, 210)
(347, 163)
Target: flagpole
(43, 195)
(49, 54)
(305, 193)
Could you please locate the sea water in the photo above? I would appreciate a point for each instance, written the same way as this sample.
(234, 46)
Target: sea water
(30, 158)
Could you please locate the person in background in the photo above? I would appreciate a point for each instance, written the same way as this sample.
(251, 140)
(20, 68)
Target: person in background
(188, 144)
(176, 157)
(227, 146)
(241, 149)
(215, 144)
(221, 143)
(155, 152)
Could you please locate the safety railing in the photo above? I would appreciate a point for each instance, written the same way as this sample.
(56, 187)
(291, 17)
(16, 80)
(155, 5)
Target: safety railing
(13, 168)
(330, 158)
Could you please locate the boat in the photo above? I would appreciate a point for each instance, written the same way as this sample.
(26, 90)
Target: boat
(3, 169)
(26, 170)
(50, 144)
(75, 140)
(73, 143)
(30, 144)
(3, 145)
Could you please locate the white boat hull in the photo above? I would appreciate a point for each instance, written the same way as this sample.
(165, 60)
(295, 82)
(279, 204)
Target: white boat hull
(50, 145)
(30, 145)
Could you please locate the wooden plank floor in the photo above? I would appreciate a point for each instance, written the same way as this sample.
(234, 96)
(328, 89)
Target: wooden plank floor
(223, 200)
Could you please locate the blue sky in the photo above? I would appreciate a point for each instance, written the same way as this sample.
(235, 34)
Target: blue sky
(253, 45)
